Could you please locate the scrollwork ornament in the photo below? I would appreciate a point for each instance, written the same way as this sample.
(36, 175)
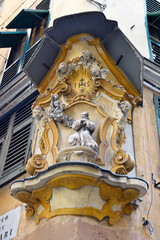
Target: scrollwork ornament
(122, 163)
(29, 211)
(35, 164)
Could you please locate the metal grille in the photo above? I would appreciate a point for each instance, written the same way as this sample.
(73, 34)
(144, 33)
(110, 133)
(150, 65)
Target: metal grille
(29, 53)
(17, 149)
(9, 73)
(4, 126)
(43, 5)
(153, 6)
(156, 52)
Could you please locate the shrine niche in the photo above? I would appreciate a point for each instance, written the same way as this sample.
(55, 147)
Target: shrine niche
(81, 114)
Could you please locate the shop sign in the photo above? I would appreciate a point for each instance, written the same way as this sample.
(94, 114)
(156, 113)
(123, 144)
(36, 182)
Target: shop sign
(9, 223)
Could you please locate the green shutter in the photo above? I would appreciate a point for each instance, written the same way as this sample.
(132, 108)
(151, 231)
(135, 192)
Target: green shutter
(17, 133)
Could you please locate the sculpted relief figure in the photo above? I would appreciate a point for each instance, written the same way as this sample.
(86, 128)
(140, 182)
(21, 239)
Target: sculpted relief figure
(64, 70)
(86, 59)
(84, 128)
(125, 107)
(97, 72)
(56, 108)
(56, 111)
(41, 117)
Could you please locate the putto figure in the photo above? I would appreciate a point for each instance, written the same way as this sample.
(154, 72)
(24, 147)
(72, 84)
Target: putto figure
(56, 111)
(84, 128)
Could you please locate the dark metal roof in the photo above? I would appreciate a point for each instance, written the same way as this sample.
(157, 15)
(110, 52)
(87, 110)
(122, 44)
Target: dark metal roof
(28, 18)
(10, 39)
(95, 24)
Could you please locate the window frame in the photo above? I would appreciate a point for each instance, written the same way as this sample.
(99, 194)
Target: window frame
(151, 39)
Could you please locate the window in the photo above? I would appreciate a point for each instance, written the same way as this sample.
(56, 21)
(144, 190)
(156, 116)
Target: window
(15, 41)
(153, 17)
(34, 19)
(16, 134)
(156, 99)
(37, 31)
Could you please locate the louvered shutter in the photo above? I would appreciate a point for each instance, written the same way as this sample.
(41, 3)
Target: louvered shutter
(19, 144)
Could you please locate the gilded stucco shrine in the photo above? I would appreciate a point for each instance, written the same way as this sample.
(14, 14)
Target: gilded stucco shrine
(82, 159)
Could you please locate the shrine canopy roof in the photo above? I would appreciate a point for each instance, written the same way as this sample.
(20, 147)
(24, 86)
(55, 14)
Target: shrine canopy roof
(121, 50)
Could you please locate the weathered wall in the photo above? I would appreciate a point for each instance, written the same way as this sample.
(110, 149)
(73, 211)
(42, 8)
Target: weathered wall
(147, 156)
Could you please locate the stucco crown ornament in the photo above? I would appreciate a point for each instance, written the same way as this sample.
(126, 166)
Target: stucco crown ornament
(83, 76)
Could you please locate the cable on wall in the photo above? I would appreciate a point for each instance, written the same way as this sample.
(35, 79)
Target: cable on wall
(99, 5)
(146, 222)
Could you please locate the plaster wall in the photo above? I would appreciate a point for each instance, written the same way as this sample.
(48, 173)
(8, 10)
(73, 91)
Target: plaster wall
(130, 14)
(126, 13)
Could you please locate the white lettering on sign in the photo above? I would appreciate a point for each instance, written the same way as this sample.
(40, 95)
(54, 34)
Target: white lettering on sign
(9, 223)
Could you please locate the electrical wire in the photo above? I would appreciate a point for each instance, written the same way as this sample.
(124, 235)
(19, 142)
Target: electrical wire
(147, 222)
